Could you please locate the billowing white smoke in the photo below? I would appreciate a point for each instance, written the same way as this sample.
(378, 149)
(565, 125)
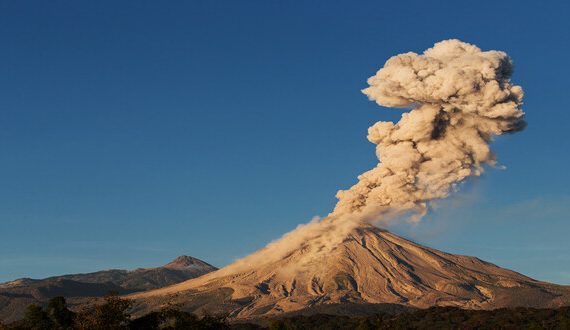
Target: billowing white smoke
(460, 98)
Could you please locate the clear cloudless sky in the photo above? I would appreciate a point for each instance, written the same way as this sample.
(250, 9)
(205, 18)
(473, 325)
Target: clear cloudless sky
(135, 131)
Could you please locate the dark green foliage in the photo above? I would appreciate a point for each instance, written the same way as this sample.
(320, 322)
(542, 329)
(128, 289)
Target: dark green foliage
(436, 318)
(148, 322)
(174, 319)
(245, 326)
(111, 315)
(56, 316)
(36, 318)
(319, 321)
(59, 315)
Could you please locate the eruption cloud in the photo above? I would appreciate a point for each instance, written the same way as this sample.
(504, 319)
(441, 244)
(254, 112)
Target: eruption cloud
(460, 98)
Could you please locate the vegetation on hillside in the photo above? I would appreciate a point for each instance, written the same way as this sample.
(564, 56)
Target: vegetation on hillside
(437, 318)
(113, 314)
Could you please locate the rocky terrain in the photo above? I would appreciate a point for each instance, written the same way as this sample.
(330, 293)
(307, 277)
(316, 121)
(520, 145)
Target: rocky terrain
(16, 295)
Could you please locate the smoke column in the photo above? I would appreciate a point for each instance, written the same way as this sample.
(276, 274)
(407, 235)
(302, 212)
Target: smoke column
(460, 98)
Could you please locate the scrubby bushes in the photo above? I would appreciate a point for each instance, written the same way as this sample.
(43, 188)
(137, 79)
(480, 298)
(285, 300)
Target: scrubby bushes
(437, 318)
(170, 318)
(113, 314)
(55, 316)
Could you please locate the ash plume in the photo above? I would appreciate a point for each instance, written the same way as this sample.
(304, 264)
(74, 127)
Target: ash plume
(459, 97)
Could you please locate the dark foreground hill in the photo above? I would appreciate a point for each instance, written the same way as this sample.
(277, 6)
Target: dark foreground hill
(16, 295)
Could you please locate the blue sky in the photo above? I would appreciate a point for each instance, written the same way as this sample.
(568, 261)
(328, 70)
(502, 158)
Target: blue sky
(134, 132)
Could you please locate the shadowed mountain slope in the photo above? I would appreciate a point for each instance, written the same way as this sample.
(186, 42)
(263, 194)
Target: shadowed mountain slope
(16, 295)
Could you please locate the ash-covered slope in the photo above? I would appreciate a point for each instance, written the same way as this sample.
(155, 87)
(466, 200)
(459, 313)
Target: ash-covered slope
(16, 295)
(371, 266)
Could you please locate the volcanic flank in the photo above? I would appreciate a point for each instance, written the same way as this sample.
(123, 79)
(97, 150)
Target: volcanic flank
(460, 98)
(370, 266)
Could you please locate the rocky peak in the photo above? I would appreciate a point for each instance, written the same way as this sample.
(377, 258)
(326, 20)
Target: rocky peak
(182, 262)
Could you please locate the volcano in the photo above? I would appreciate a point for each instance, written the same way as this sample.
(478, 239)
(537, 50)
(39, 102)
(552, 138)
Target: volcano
(369, 266)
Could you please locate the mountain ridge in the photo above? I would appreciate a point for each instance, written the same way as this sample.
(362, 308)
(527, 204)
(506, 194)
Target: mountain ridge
(17, 294)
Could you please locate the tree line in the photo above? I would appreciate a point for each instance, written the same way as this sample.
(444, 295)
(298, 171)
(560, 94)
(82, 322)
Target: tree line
(114, 314)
